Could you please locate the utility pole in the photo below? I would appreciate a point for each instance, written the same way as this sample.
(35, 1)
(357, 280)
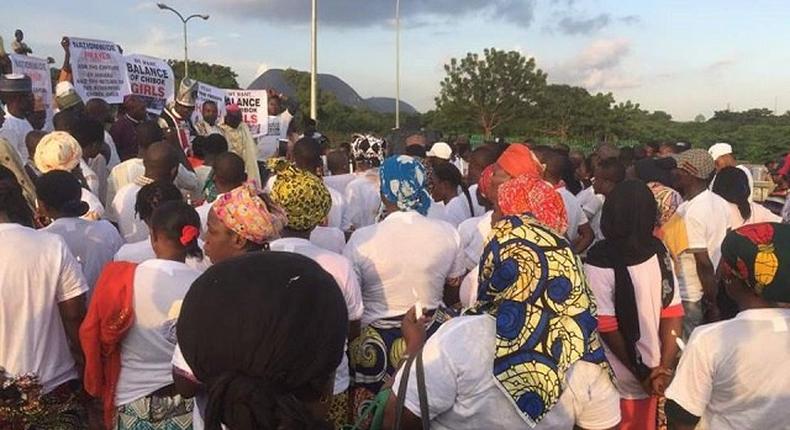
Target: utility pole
(397, 64)
(314, 63)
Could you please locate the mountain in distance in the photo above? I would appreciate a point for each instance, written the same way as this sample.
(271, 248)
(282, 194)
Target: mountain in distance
(345, 93)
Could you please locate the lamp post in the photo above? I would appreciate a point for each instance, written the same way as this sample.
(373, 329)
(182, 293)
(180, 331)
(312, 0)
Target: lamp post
(184, 21)
(314, 62)
(397, 64)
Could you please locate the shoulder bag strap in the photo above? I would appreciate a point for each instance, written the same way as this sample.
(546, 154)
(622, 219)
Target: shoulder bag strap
(404, 382)
(423, 393)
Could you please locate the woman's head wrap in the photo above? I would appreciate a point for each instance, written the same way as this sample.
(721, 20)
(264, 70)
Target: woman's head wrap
(403, 182)
(367, 147)
(246, 213)
(758, 254)
(533, 284)
(519, 160)
(263, 332)
(532, 195)
(732, 184)
(302, 195)
(57, 151)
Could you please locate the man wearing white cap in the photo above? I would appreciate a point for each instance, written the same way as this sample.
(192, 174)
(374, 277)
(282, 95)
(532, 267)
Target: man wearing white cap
(16, 92)
(723, 157)
(440, 150)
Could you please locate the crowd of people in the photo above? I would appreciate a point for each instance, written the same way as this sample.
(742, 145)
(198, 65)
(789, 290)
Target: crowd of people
(166, 272)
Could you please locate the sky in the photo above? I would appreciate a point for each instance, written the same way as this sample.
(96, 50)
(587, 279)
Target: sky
(682, 57)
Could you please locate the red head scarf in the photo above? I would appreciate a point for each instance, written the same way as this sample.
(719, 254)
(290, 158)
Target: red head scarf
(518, 160)
(533, 195)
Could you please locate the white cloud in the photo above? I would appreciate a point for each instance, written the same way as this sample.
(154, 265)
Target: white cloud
(598, 67)
(205, 42)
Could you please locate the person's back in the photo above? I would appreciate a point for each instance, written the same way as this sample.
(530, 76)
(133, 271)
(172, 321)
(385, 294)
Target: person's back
(38, 273)
(93, 243)
(707, 220)
(735, 373)
(363, 200)
(146, 351)
(465, 395)
(405, 252)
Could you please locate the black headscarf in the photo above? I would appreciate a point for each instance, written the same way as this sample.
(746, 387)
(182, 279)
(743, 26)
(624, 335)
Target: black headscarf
(627, 222)
(264, 332)
(732, 184)
(655, 170)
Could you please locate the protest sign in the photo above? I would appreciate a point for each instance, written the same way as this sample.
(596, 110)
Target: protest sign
(152, 80)
(209, 92)
(37, 70)
(99, 70)
(253, 105)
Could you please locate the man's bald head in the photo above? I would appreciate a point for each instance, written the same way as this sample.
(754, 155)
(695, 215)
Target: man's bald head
(161, 162)
(228, 172)
(98, 110)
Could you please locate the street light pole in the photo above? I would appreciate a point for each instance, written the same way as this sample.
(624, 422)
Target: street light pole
(397, 64)
(184, 21)
(314, 63)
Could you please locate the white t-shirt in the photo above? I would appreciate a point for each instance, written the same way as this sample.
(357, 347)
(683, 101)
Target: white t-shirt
(141, 251)
(576, 216)
(457, 210)
(707, 220)
(592, 205)
(330, 238)
(438, 211)
(93, 243)
(203, 211)
(759, 214)
(133, 168)
(403, 254)
(463, 393)
(37, 272)
(339, 182)
(363, 201)
(95, 208)
(14, 130)
(147, 349)
(646, 278)
(121, 212)
(473, 233)
(340, 269)
(91, 178)
(735, 374)
(335, 216)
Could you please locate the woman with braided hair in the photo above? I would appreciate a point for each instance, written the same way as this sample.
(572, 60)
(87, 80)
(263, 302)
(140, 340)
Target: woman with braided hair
(133, 313)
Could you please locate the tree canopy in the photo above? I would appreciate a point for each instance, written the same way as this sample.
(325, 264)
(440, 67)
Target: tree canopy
(212, 74)
(489, 91)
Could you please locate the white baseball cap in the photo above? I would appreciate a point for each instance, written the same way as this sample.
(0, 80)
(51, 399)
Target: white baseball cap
(440, 150)
(719, 149)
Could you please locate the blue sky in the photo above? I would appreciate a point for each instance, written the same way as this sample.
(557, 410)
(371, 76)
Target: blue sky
(683, 57)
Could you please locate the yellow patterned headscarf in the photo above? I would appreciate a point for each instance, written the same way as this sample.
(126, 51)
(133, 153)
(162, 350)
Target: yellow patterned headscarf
(302, 195)
(533, 284)
(247, 214)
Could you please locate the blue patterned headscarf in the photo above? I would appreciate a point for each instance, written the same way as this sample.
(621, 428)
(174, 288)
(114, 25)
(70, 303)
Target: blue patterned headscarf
(403, 183)
(533, 284)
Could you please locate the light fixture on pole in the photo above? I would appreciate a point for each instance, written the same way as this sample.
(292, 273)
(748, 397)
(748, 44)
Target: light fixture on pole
(184, 21)
(314, 62)
(397, 64)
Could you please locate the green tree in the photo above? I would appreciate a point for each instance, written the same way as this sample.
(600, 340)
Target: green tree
(491, 91)
(699, 118)
(212, 74)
